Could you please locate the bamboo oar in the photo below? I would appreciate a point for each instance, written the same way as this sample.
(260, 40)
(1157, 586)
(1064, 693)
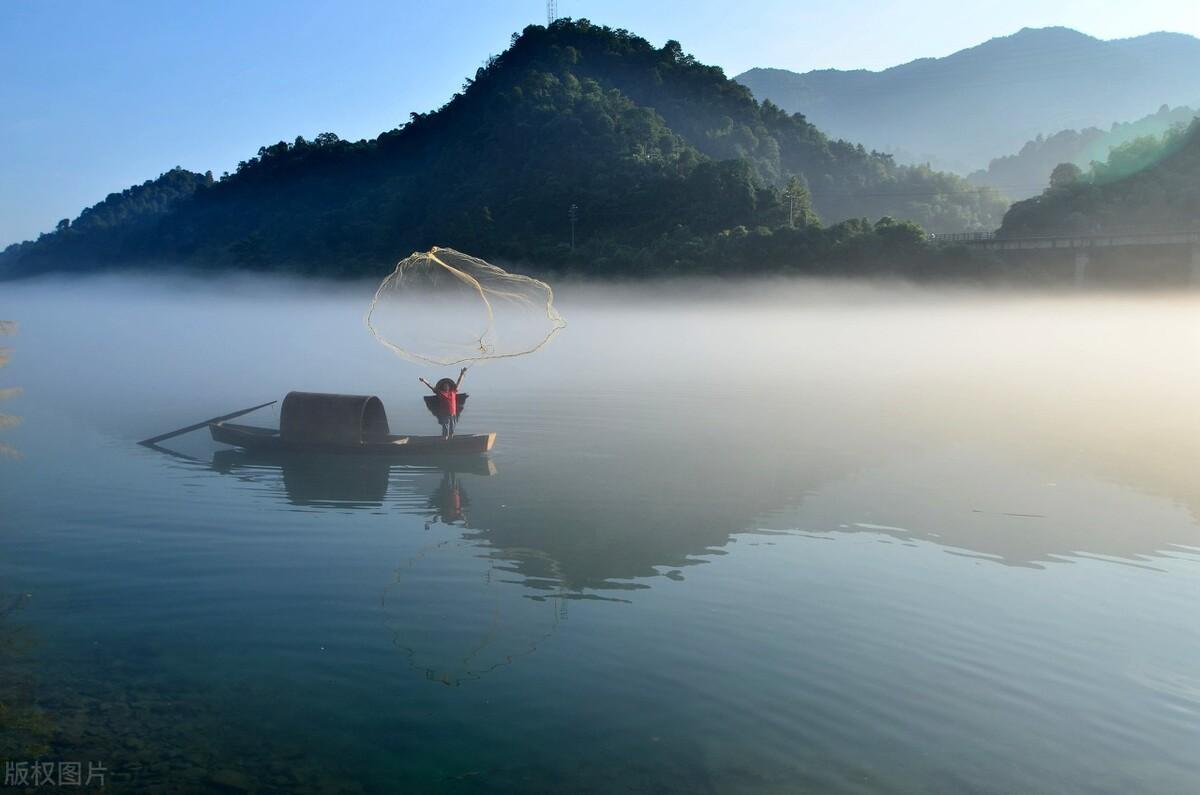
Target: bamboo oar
(153, 440)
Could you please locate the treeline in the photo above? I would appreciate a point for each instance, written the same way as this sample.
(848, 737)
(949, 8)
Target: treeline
(1024, 174)
(653, 161)
(1149, 183)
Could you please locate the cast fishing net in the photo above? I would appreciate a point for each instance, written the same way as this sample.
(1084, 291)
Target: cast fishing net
(444, 308)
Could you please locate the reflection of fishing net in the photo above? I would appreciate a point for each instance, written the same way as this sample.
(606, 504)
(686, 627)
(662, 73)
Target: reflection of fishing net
(443, 307)
(455, 614)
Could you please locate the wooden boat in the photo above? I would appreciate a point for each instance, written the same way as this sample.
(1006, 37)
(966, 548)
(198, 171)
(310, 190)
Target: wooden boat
(316, 422)
(251, 437)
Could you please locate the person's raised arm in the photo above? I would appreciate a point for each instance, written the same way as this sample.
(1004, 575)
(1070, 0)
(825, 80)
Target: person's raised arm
(426, 383)
(461, 374)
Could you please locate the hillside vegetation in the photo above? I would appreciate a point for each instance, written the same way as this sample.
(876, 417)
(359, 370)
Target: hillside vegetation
(1026, 173)
(1150, 183)
(668, 165)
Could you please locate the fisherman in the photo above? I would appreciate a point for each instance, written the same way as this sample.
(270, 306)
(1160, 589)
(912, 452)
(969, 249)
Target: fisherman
(447, 410)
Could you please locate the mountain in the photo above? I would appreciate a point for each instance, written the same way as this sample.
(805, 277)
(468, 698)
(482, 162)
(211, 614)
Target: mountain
(960, 111)
(667, 163)
(1148, 183)
(1026, 173)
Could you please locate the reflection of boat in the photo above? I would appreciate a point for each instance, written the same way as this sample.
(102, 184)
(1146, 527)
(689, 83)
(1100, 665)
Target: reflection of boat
(345, 481)
(313, 422)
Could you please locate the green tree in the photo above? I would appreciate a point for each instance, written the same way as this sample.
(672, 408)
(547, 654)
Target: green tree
(1065, 174)
(799, 201)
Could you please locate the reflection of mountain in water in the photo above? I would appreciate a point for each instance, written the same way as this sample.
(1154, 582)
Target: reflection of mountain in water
(506, 549)
(633, 508)
(638, 502)
(7, 327)
(561, 527)
(1038, 473)
(1002, 508)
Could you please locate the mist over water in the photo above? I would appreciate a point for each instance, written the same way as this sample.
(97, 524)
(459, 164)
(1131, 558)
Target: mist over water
(786, 534)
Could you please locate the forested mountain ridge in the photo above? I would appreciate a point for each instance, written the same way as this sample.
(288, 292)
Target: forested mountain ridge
(1027, 172)
(1146, 184)
(667, 163)
(960, 111)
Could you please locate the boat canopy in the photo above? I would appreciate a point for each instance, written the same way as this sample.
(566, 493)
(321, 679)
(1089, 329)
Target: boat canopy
(316, 418)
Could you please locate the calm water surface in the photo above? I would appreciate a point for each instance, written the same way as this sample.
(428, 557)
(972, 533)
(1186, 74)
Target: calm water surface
(795, 537)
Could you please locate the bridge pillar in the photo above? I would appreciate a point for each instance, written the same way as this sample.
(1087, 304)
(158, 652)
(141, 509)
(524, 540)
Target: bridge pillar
(1196, 264)
(1081, 263)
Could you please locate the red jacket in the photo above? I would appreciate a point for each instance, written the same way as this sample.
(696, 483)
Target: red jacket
(449, 401)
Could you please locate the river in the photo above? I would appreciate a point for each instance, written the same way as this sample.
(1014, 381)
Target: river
(784, 536)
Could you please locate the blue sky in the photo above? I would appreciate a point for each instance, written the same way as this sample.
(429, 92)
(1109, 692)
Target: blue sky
(100, 95)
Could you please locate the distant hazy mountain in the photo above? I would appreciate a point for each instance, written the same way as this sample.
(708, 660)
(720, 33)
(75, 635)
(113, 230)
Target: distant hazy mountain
(1027, 172)
(960, 111)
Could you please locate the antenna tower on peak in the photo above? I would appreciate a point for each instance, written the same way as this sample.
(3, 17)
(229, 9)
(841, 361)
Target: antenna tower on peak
(551, 12)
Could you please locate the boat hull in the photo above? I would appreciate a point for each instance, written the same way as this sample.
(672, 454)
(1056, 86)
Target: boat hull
(250, 437)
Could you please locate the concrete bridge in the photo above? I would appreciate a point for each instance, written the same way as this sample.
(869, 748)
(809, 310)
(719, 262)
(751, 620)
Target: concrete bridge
(1084, 246)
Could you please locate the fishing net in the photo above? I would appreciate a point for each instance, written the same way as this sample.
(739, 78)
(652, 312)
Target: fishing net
(443, 307)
